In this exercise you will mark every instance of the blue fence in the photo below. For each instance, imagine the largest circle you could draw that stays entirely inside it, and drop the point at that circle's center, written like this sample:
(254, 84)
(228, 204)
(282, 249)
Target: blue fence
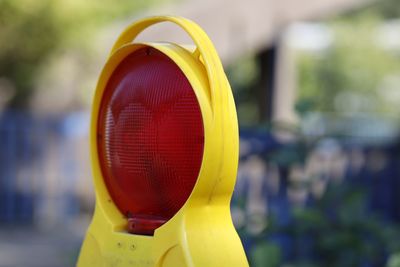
(39, 165)
(45, 178)
(319, 201)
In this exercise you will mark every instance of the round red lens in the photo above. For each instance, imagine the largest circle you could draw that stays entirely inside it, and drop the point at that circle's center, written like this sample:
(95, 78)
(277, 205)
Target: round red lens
(150, 137)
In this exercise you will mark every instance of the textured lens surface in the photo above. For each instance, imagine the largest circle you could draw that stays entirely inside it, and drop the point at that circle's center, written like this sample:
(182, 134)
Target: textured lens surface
(150, 136)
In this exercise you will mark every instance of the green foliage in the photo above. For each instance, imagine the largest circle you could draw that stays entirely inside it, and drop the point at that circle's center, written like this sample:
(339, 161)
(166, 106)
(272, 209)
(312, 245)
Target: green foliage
(265, 255)
(28, 30)
(386, 9)
(243, 78)
(33, 30)
(394, 261)
(336, 231)
(349, 77)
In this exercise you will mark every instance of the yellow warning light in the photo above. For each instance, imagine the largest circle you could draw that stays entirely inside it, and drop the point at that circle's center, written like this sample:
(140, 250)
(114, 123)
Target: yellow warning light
(164, 149)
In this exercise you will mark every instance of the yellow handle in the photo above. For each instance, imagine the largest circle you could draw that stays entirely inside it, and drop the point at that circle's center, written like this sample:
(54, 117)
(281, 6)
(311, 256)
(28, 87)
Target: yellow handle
(204, 45)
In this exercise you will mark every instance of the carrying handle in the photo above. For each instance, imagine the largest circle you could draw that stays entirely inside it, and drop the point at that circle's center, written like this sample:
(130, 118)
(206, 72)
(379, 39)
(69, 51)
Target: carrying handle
(204, 46)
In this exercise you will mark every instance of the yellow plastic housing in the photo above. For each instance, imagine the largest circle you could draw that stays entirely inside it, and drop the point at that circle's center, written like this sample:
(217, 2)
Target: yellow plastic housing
(201, 233)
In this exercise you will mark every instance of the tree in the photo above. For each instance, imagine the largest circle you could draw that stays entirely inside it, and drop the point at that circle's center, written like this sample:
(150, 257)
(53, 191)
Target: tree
(31, 31)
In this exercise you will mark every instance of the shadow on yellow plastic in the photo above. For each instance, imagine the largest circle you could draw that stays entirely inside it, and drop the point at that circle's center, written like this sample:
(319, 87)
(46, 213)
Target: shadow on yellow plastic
(201, 233)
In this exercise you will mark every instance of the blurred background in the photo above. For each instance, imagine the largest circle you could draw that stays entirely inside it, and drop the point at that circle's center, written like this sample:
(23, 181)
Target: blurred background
(317, 90)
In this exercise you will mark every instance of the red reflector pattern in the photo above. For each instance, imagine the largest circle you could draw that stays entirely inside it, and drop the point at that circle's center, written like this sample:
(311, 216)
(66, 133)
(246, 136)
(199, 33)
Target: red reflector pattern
(150, 139)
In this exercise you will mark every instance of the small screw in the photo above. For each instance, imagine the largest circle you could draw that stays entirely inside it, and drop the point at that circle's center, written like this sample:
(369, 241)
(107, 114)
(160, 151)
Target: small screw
(132, 247)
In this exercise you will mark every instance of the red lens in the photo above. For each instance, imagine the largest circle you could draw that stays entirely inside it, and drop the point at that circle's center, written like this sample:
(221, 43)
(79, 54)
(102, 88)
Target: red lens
(150, 137)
